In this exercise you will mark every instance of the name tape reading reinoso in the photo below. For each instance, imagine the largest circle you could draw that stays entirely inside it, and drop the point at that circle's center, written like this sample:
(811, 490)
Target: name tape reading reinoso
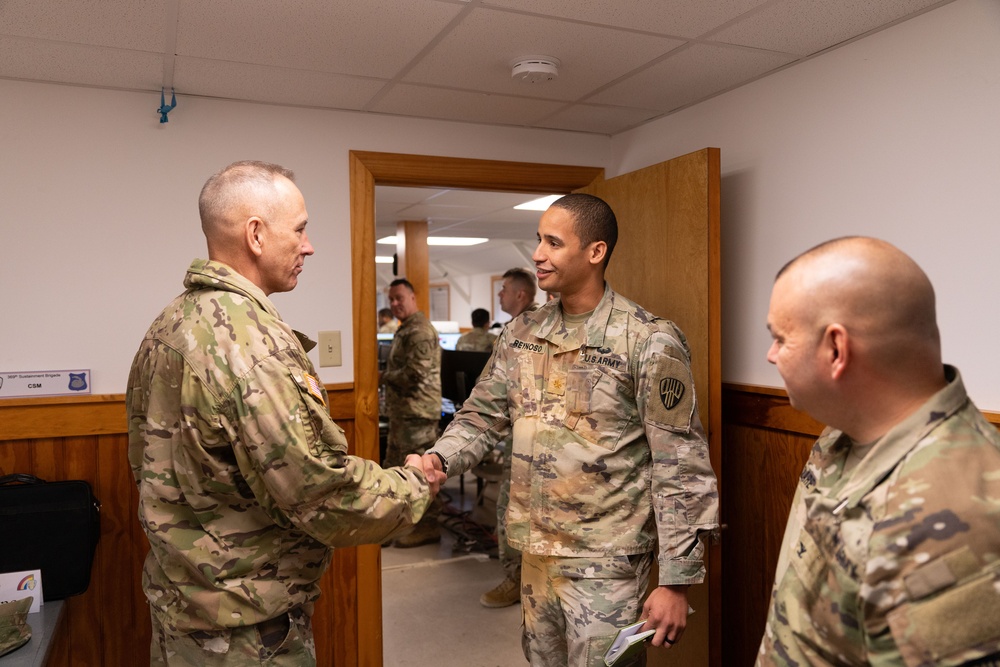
(44, 383)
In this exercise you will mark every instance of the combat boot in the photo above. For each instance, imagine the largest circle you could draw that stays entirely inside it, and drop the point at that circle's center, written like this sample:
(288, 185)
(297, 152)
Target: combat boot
(506, 593)
(421, 535)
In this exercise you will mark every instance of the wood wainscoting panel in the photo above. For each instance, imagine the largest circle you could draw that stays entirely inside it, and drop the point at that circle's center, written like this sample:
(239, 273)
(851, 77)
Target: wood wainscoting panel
(765, 444)
(86, 438)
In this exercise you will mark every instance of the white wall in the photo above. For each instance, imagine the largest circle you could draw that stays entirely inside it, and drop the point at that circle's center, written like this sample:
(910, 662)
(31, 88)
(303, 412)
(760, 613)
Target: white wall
(99, 219)
(896, 136)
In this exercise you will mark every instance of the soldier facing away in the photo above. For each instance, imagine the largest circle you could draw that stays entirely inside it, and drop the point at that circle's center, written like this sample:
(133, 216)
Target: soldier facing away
(891, 551)
(609, 464)
(244, 480)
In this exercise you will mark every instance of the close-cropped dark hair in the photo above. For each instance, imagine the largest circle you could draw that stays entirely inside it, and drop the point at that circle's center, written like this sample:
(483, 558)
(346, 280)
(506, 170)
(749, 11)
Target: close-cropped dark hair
(402, 281)
(480, 317)
(594, 220)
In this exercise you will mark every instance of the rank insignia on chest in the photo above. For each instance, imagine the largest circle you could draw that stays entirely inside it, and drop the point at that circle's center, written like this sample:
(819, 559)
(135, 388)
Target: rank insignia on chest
(312, 383)
(671, 392)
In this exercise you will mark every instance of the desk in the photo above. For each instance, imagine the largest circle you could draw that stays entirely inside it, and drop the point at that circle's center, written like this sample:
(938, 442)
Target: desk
(43, 630)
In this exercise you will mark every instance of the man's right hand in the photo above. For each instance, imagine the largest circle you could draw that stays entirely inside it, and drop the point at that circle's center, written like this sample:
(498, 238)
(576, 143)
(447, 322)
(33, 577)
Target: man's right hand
(435, 476)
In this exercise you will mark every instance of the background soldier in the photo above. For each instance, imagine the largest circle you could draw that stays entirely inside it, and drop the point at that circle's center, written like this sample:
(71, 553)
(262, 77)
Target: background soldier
(479, 339)
(606, 467)
(412, 380)
(244, 480)
(517, 295)
(891, 549)
(386, 322)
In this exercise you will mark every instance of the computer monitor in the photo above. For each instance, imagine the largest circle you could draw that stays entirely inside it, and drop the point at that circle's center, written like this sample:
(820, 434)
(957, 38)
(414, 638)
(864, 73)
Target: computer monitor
(448, 340)
(383, 353)
(459, 372)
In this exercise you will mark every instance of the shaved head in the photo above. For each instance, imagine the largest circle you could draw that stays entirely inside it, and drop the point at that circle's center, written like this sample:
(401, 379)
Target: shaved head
(855, 335)
(871, 287)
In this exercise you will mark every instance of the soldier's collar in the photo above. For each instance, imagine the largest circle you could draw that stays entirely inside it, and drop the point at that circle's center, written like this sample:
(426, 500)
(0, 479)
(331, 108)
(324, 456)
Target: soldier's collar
(891, 448)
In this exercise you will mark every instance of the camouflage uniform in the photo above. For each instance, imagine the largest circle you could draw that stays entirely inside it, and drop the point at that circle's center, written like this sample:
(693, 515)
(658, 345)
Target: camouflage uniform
(609, 463)
(244, 480)
(898, 561)
(477, 340)
(412, 380)
(510, 558)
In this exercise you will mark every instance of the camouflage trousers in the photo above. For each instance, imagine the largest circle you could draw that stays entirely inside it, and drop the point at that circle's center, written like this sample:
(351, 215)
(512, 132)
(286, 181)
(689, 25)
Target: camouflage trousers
(573, 607)
(510, 558)
(413, 436)
(285, 641)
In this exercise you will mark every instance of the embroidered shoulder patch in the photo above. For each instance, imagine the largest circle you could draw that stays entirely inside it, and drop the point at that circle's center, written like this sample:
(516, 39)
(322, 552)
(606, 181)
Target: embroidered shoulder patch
(315, 388)
(671, 394)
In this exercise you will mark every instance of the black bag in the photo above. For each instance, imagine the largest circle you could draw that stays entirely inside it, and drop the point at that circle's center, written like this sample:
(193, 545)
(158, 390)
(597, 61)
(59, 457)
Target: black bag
(52, 527)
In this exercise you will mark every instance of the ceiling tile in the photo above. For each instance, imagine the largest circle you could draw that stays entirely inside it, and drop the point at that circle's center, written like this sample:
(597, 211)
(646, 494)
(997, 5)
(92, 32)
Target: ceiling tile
(392, 193)
(371, 38)
(483, 201)
(124, 24)
(680, 18)
(79, 64)
(409, 100)
(240, 81)
(598, 119)
(804, 27)
(477, 54)
(691, 75)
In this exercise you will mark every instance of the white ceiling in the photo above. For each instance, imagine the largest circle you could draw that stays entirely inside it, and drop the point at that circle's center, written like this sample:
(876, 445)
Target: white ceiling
(624, 62)
(511, 232)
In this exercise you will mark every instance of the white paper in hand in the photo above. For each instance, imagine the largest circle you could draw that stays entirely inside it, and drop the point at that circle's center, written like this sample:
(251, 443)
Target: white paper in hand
(627, 644)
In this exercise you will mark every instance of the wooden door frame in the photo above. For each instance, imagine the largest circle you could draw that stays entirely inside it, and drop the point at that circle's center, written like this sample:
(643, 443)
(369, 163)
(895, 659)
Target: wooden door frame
(358, 599)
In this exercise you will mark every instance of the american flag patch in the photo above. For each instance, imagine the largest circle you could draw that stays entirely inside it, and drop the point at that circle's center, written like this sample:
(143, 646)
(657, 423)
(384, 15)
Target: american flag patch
(315, 388)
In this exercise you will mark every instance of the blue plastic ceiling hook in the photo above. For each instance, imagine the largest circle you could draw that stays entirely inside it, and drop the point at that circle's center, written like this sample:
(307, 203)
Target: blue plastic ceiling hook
(164, 108)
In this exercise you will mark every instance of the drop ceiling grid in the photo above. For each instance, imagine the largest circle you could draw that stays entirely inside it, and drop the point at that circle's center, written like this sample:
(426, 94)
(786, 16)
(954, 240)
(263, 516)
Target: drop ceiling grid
(477, 54)
(436, 58)
(119, 24)
(374, 38)
(682, 18)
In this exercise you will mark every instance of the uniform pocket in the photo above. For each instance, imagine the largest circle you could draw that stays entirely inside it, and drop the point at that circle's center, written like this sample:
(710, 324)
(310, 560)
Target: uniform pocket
(951, 628)
(597, 406)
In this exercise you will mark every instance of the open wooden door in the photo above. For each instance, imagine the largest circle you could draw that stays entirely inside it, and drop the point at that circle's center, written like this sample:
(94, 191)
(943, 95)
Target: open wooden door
(667, 260)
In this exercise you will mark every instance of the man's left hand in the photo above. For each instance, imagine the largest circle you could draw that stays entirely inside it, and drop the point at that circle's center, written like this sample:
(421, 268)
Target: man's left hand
(666, 610)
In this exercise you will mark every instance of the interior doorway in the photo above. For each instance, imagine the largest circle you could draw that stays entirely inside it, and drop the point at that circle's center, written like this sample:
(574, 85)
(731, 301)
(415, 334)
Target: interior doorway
(358, 598)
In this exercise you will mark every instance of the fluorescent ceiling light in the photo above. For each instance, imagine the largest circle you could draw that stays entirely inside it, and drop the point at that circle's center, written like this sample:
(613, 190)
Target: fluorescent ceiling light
(382, 259)
(441, 240)
(538, 204)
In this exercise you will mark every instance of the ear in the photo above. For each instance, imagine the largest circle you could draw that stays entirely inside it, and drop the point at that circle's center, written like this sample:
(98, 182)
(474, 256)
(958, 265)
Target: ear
(255, 235)
(836, 349)
(598, 249)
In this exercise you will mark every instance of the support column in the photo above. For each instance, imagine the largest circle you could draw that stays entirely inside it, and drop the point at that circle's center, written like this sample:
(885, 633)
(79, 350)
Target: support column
(413, 260)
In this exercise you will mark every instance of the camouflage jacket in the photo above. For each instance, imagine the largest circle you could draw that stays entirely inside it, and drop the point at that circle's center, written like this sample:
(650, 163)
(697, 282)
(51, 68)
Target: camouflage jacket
(244, 480)
(897, 562)
(477, 340)
(609, 456)
(412, 377)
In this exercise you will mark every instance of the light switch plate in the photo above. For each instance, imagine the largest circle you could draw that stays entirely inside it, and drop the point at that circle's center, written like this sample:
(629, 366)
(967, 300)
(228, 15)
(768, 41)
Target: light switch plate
(329, 349)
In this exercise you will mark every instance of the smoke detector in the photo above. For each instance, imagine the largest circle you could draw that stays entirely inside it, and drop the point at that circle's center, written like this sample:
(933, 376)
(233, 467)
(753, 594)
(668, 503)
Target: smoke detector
(534, 69)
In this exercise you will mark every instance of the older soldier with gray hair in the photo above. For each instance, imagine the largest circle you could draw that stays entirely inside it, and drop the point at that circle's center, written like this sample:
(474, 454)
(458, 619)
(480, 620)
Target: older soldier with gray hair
(244, 480)
(891, 552)
(610, 464)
